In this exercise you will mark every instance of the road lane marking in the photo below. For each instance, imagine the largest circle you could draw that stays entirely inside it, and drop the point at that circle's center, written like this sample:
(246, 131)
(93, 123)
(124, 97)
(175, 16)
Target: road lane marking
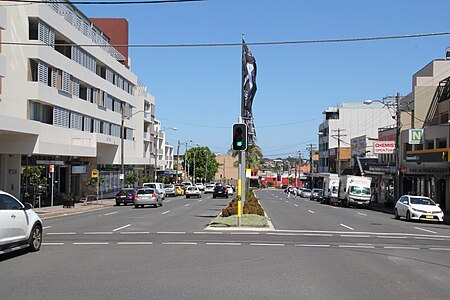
(46, 227)
(245, 233)
(311, 211)
(99, 232)
(224, 244)
(117, 229)
(208, 232)
(111, 213)
(401, 247)
(365, 215)
(187, 204)
(426, 230)
(440, 249)
(179, 243)
(356, 246)
(52, 244)
(61, 233)
(348, 227)
(92, 243)
(296, 205)
(391, 237)
(171, 232)
(280, 233)
(262, 244)
(426, 238)
(166, 212)
(317, 234)
(135, 243)
(354, 236)
(135, 232)
(306, 245)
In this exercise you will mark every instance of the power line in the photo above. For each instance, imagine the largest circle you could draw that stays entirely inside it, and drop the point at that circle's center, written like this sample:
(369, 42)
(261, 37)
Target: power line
(104, 2)
(391, 37)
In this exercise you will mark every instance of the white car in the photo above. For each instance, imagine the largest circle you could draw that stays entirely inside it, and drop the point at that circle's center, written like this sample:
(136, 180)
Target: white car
(200, 186)
(209, 188)
(193, 191)
(20, 226)
(418, 208)
(230, 190)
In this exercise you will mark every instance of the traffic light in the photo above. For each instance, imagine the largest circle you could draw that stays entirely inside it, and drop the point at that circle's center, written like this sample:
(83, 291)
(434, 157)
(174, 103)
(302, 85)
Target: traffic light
(239, 136)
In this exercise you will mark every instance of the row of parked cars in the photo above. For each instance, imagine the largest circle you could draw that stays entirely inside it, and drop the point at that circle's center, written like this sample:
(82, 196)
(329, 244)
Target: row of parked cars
(314, 194)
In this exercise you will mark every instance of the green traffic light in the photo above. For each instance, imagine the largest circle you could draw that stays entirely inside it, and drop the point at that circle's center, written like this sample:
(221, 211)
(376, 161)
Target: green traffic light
(239, 144)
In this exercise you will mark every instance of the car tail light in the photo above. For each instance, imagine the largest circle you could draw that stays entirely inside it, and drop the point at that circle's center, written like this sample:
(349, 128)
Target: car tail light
(154, 196)
(135, 196)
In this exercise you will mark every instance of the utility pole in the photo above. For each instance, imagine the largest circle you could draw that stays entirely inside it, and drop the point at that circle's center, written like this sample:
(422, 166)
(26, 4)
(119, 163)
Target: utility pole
(338, 136)
(178, 159)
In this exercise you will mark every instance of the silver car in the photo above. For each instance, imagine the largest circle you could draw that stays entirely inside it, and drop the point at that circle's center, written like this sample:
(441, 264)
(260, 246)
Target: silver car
(305, 193)
(146, 196)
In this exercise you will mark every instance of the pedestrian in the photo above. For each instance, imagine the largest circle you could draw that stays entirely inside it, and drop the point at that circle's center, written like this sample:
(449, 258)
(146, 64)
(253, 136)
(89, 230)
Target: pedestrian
(289, 192)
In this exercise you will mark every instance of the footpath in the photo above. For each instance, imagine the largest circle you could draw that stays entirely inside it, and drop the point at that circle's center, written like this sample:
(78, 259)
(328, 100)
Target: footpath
(59, 210)
(390, 210)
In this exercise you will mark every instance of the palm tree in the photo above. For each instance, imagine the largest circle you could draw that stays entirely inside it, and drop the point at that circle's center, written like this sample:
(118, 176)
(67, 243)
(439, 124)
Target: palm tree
(253, 158)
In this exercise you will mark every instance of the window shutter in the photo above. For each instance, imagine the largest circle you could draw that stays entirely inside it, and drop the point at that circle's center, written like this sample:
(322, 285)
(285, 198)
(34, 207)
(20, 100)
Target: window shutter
(75, 87)
(42, 72)
(87, 123)
(65, 82)
(60, 117)
(76, 121)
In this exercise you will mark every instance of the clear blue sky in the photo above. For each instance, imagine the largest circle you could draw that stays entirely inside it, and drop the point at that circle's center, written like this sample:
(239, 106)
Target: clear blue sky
(198, 90)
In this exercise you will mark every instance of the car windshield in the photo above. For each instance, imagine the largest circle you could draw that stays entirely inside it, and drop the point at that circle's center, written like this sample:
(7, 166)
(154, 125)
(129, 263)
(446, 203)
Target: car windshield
(145, 191)
(421, 201)
(168, 186)
(358, 190)
(307, 190)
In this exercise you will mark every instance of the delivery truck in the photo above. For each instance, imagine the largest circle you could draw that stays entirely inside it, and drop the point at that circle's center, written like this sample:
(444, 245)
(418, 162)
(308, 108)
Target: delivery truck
(330, 187)
(354, 190)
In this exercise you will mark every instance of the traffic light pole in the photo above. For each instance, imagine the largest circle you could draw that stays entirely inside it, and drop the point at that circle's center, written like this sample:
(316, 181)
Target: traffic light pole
(241, 182)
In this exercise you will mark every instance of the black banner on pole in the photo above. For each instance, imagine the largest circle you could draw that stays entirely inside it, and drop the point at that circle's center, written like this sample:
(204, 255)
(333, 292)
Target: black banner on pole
(248, 90)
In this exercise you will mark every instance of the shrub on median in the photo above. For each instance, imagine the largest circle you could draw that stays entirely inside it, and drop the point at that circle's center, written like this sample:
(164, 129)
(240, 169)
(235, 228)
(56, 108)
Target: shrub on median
(251, 206)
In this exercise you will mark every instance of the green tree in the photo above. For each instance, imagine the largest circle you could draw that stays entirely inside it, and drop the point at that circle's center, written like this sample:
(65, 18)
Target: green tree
(253, 157)
(131, 179)
(205, 163)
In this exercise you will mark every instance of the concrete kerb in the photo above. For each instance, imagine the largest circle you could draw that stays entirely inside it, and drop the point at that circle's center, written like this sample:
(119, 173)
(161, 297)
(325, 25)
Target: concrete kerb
(59, 211)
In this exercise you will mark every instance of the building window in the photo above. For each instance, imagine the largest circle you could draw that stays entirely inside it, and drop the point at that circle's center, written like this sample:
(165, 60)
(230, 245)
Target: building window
(40, 112)
(429, 144)
(441, 143)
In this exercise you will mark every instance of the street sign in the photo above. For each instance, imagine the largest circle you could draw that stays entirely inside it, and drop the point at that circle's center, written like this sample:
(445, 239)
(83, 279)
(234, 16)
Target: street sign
(51, 168)
(415, 136)
(94, 173)
(384, 147)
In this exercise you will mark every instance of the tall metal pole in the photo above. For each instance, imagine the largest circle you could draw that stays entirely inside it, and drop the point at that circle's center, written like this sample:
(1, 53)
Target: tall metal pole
(397, 147)
(122, 134)
(178, 159)
(193, 172)
(156, 155)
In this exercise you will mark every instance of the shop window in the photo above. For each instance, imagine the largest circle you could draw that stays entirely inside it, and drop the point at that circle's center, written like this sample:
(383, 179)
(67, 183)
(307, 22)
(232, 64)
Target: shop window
(441, 143)
(429, 144)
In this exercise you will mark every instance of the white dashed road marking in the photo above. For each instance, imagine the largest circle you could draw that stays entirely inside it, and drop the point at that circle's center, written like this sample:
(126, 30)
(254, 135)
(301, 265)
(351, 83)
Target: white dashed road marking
(259, 244)
(166, 212)
(117, 229)
(401, 247)
(365, 215)
(354, 236)
(306, 245)
(348, 227)
(135, 232)
(98, 232)
(311, 211)
(46, 227)
(98, 243)
(111, 213)
(135, 243)
(52, 244)
(171, 232)
(61, 233)
(426, 238)
(224, 244)
(426, 230)
(179, 243)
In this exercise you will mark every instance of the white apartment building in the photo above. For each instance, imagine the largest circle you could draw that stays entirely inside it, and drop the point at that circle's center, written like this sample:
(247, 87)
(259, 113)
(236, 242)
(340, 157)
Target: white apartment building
(352, 119)
(65, 99)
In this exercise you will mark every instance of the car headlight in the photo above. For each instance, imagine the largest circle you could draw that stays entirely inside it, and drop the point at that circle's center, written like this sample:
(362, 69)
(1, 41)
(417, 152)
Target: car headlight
(418, 210)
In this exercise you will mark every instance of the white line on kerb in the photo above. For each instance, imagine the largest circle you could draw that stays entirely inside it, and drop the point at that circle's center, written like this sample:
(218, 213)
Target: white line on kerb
(362, 214)
(348, 227)
(111, 213)
(117, 229)
(426, 230)
(166, 212)
(311, 211)
(440, 249)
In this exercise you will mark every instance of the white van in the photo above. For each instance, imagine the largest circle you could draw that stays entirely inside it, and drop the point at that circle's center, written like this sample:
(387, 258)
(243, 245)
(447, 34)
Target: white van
(156, 185)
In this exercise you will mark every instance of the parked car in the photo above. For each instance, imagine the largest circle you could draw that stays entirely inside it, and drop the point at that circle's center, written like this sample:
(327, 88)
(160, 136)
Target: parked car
(125, 196)
(170, 190)
(193, 191)
(20, 226)
(298, 191)
(209, 188)
(316, 194)
(418, 208)
(305, 193)
(148, 196)
(220, 191)
(230, 189)
(200, 186)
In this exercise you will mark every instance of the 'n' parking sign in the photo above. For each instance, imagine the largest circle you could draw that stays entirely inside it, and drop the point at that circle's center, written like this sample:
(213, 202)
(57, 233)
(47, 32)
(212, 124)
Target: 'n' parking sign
(415, 136)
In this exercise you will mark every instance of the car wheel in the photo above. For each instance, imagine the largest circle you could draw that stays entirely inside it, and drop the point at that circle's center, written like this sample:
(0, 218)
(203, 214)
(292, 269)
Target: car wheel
(136, 206)
(160, 203)
(397, 217)
(408, 216)
(35, 240)
(214, 196)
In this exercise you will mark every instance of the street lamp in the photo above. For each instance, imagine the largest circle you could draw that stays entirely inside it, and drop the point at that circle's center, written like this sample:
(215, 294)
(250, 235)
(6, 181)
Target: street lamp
(395, 104)
(156, 148)
(178, 156)
(122, 136)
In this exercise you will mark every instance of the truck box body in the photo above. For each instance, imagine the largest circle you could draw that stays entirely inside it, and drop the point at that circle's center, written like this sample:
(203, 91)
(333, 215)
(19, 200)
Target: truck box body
(330, 186)
(354, 190)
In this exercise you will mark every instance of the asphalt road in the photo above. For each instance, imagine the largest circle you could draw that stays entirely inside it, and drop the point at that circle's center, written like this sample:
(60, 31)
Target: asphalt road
(315, 252)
